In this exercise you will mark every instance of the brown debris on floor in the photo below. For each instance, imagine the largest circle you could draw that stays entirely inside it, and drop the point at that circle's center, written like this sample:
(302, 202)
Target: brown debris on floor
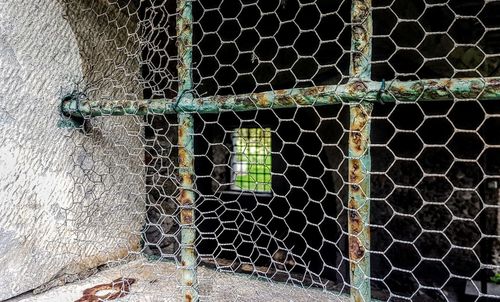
(119, 287)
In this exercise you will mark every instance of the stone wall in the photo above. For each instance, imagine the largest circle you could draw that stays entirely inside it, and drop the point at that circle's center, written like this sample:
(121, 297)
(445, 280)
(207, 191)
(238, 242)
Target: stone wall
(70, 201)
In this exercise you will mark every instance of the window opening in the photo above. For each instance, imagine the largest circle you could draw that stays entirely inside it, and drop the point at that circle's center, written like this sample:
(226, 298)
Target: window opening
(251, 162)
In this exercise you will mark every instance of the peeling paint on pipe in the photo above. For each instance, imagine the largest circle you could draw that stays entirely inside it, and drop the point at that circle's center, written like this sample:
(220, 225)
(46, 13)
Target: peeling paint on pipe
(354, 92)
(184, 26)
(359, 151)
(361, 50)
(187, 208)
(359, 201)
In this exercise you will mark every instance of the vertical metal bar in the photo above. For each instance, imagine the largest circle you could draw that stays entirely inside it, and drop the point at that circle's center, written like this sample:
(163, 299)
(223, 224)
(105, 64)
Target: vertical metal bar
(359, 156)
(187, 204)
(359, 202)
(361, 50)
(184, 29)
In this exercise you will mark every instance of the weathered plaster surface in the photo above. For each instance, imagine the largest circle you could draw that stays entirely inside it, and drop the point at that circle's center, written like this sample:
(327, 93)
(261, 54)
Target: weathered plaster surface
(68, 201)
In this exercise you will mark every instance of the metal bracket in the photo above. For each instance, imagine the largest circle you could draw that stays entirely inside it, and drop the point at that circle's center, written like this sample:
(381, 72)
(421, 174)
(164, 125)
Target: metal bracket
(70, 121)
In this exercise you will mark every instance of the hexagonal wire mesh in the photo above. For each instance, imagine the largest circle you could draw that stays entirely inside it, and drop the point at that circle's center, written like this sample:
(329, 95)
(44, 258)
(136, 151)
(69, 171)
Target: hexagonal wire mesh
(320, 148)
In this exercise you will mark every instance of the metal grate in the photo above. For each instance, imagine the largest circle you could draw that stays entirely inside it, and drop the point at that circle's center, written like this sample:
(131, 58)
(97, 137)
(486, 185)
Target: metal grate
(372, 125)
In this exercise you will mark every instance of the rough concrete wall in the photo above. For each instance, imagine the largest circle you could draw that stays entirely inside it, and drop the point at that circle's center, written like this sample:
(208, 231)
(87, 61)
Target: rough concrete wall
(68, 201)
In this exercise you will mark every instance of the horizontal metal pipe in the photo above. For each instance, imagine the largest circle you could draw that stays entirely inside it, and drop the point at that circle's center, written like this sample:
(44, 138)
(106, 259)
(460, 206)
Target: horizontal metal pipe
(356, 91)
(88, 107)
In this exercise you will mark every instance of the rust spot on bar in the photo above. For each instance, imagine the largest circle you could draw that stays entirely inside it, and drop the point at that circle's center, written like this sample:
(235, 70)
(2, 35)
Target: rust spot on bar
(353, 204)
(185, 198)
(361, 118)
(285, 100)
(187, 216)
(357, 141)
(186, 27)
(355, 221)
(402, 93)
(357, 57)
(360, 10)
(221, 100)
(418, 86)
(314, 91)
(181, 131)
(360, 37)
(355, 188)
(262, 100)
(356, 249)
(301, 100)
(183, 155)
(355, 172)
(356, 87)
(355, 164)
(187, 179)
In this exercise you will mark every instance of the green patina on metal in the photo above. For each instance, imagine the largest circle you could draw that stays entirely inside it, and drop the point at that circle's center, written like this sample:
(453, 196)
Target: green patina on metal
(361, 50)
(359, 151)
(359, 202)
(184, 28)
(354, 92)
(187, 207)
(104, 107)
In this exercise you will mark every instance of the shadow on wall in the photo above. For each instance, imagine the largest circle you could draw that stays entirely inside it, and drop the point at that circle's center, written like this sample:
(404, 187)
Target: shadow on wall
(101, 40)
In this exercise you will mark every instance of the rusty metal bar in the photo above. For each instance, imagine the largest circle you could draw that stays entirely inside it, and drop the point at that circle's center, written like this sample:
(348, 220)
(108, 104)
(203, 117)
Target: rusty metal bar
(361, 50)
(187, 207)
(184, 27)
(359, 154)
(368, 91)
(359, 201)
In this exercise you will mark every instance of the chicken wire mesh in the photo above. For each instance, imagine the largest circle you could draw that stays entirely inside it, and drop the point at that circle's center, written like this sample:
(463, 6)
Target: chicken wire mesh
(297, 150)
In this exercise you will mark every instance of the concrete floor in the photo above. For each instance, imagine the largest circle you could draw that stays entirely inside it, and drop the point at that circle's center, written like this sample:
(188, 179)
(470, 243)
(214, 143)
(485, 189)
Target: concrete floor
(158, 281)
